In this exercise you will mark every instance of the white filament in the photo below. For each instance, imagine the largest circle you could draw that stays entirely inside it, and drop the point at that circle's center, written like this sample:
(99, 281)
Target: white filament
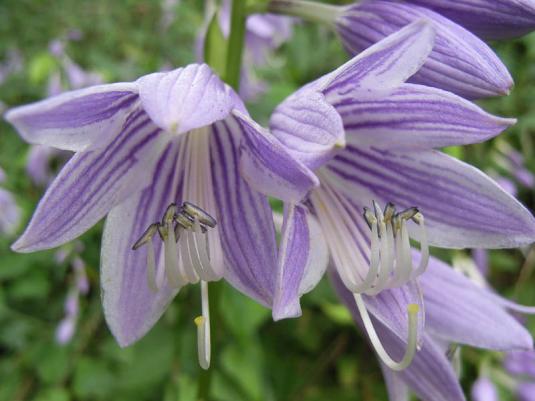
(410, 351)
(171, 258)
(203, 329)
(151, 268)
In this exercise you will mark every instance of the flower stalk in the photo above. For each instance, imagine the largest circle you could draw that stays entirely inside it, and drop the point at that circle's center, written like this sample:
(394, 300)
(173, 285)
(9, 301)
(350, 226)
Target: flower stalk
(307, 10)
(235, 43)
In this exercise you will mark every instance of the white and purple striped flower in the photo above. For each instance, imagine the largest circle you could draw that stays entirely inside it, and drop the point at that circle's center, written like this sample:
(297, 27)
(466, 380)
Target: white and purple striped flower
(457, 312)
(460, 62)
(10, 213)
(143, 149)
(369, 138)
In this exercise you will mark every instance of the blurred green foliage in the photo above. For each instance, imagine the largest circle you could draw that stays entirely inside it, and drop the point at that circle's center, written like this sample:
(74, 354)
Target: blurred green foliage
(317, 357)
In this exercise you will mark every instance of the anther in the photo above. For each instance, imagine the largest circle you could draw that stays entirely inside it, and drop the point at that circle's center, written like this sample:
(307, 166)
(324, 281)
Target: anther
(169, 214)
(147, 236)
(409, 213)
(196, 211)
(390, 211)
(369, 217)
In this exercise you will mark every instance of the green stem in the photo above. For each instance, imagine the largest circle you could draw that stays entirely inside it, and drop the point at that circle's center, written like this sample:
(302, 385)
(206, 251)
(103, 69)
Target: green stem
(307, 10)
(236, 43)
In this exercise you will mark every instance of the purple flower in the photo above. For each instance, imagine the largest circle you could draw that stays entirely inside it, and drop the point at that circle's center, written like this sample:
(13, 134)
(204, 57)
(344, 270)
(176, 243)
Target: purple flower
(484, 390)
(526, 392)
(460, 62)
(159, 157)
(367, 140)
(10, 213)
(457, 311)
(521, 363)
(497, 19)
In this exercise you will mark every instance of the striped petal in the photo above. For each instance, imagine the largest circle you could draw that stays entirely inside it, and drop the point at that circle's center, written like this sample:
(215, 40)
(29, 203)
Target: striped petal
(459, 63)
(244, 219)
(430, 374)
(92, 183)
(386, 64)
(303, 258)
(462, 206)
(268, 167)
(77, 120)
(455, 305)
(497, 19)
(416, 116)
(309, 127)
(131, 308)
(396, 387)
(186, 98)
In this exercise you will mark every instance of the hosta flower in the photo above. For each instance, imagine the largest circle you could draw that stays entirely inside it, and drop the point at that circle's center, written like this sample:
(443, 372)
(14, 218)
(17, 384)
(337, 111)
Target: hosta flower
(159, 157)
(457, 312)
(10, 213)
(484, 390)
(368, 138)
(498, 19)
(460, 62)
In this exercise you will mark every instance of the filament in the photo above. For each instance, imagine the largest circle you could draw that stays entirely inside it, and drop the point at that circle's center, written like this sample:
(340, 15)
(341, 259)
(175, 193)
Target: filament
(410, 351)
(171, 258)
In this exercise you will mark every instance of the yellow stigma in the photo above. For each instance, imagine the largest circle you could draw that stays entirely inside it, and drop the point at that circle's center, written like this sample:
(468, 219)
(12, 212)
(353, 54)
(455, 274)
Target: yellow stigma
(413, 309)
(199, 320)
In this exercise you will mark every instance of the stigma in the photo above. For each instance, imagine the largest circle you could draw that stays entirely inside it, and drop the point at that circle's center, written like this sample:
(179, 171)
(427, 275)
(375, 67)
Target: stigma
(183, 232)
(391, 262)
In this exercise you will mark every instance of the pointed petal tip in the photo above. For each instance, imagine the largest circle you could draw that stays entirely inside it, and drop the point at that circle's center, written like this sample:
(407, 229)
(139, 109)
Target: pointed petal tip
(281, 312)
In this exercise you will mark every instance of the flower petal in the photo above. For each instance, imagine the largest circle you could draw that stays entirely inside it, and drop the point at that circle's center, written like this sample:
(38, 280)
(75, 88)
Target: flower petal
(303, 258)
(386, 64)
(498, 19)
(244, 218)
(92, 183)
(131, 308)
(430, 374)
(462, 206)
(186, 98)
(309, 127)
(76, 120)
(455, 305)
(460, 62)
(416, 116)
(397, 388)
(267, 166)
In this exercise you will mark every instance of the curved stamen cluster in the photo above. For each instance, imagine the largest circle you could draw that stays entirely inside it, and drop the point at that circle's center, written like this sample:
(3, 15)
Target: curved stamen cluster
(391, 259)
(391, 266)
(184, 227)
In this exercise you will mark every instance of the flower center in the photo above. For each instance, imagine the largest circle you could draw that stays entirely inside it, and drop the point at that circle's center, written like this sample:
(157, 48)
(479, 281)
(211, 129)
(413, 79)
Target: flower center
(391, 259)
(185, 228)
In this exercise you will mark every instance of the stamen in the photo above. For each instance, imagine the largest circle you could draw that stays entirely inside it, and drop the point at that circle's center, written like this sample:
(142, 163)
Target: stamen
(396, 267)
(171, 258)
(151, 269)
(196, 211)
(203, 329)
(146, 236)
(410, 352)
